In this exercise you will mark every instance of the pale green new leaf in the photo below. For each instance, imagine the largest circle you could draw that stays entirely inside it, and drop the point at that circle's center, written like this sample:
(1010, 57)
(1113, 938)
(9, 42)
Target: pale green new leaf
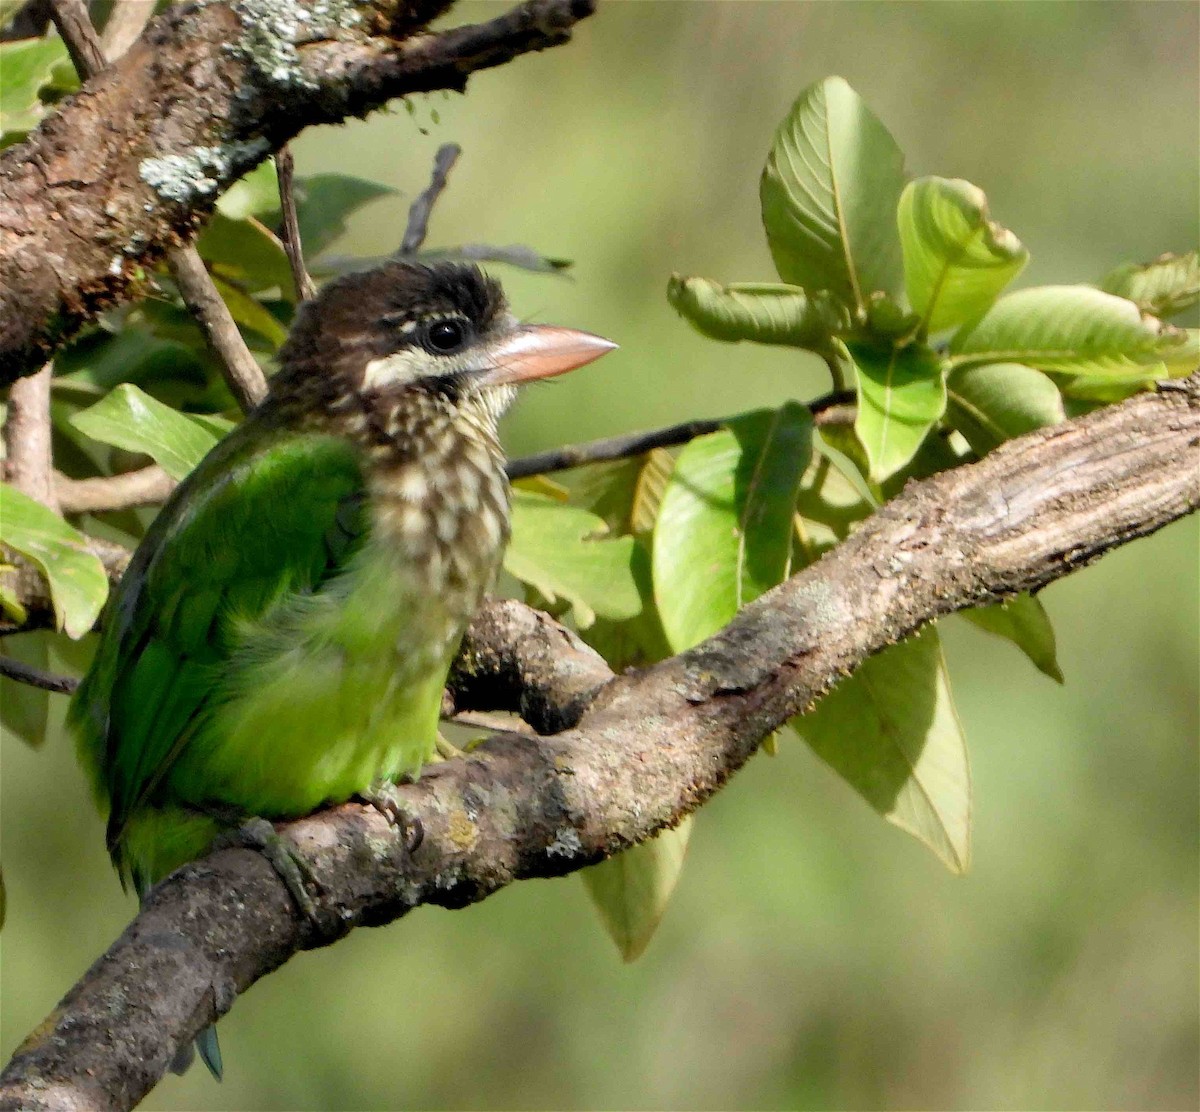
(1167, 286)
(627, 493)
(251, 313)
(247, 253)
(994, 402)
(631, 890)
(131, 419)
(901, 395)
(829, 193)
(956, 260)
(1073, 330)
(27, 66)
(254, 194)
(724, 530)
(1023, 621)
(762, 312)
(78, 584)
(892, 733)
(561, 551)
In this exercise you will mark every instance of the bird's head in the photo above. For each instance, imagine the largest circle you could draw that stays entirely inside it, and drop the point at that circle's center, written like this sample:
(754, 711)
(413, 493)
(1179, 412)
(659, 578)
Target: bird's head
(408, 329)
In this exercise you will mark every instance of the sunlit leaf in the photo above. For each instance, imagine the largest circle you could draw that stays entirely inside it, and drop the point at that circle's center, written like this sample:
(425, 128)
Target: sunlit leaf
(631, 890)
(1023, 621)
(253, 194)
(892, 733)
(28, 66)
(956, 260)
(562, 552)
(78, 584)
(994, 402)
(724, 530)
(764, 313)
(1074, 330)
(247, 253)
(1163, 288)
(628, 493)
(829, 194)
(901, 395)
(131, 419)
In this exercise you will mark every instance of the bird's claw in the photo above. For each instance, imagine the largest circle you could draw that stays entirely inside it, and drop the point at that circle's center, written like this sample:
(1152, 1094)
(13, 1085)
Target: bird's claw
(384, 798)
(258, 834)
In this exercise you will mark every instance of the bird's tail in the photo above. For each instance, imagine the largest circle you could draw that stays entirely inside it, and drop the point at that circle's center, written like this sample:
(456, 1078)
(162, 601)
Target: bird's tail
(209, 1050)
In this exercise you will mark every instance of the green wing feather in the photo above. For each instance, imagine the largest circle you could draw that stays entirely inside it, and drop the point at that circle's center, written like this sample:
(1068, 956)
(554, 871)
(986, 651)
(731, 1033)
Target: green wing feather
(267, 514)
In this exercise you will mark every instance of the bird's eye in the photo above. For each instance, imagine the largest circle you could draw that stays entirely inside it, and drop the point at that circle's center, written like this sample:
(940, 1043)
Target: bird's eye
(445, 336)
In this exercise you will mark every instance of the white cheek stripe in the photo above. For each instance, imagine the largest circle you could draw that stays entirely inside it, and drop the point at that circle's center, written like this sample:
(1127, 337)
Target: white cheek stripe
(397, 369)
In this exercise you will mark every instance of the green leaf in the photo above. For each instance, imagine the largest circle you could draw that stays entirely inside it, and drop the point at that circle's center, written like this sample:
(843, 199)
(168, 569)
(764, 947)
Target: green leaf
(251, 313)
(1163, 288)
(324, 202)
(131, 419)
(253, 194)
(631, 889)
(28, 66)
(98, 363)
(247, 253)
(764, 313)
(628, 493)
(829, 194)
(562, 553)
(956, 260)
(892, 733)
(901, 395)
(1023, 621)
(994, 402)
(1073, 330)
(724, 531)
(78, 584)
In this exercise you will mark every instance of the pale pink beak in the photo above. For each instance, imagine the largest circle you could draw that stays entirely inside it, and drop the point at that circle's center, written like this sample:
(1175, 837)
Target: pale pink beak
(541, 351)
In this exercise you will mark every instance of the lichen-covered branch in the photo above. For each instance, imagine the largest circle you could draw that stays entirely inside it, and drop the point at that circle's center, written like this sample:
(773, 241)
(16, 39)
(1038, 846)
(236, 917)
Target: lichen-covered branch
(641, 750)
(132, 163)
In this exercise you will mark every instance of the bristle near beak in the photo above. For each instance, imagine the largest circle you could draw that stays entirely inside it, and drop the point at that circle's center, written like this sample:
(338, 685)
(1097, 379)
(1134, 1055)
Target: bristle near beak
(540, 351)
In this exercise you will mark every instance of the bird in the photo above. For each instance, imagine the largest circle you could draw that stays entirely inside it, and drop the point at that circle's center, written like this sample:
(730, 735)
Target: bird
(282, 636)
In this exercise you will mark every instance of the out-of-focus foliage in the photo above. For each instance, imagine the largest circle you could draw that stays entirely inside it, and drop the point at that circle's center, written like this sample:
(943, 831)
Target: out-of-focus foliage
(806, 960)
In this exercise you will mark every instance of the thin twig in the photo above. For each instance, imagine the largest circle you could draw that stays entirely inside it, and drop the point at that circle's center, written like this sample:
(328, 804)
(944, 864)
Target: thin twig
(124, 24)
(27, 437)
(245, 377)
(422, 208)
(285, 170)
(21, 672)
(831, 409)
(145, 487)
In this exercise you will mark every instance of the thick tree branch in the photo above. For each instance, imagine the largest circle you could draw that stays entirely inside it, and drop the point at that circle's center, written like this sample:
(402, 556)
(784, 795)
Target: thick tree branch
(128, 166)
(647, 749)
(27, 433)
(145, 487)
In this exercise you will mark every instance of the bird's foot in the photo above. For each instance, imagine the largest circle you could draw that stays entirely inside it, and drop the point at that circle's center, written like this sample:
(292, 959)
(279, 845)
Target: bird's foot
(293, 870)
(446, 750)
(382, 795)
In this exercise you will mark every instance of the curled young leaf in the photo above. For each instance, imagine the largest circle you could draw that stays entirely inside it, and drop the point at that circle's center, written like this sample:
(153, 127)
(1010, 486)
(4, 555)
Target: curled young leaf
(956, 259)
(829, 193)
(1074, 330)
(762, 312)
(994, 402)
(1168, 285)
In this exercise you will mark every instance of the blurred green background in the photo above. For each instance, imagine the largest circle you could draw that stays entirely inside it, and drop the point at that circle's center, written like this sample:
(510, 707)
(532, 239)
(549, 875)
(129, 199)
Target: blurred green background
(813, 957)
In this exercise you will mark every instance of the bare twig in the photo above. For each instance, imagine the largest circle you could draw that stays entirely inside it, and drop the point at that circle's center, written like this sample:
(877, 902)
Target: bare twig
(244, 376)
(649, 747)
(285, 169)
(21, 672)
(27, 435)
(242, 373)
(422, 208)
(145, 487)
(832, 409)
(126, 21)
